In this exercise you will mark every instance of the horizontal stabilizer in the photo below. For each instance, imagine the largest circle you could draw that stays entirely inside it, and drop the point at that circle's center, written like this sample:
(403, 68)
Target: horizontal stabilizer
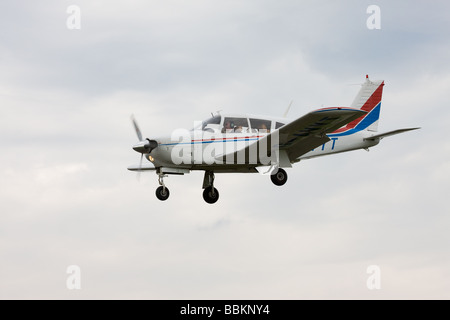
(387, 134)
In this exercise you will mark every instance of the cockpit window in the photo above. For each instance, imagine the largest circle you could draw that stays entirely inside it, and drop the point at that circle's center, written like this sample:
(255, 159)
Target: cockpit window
(259, 125)
(235, 125)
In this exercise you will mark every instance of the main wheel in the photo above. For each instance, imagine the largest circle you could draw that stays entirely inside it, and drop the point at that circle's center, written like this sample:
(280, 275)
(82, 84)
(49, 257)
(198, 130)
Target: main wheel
(210, 195)
(279, 178)
(162, 194)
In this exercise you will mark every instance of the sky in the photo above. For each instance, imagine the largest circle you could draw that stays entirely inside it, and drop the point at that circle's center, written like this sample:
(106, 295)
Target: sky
(67, 199)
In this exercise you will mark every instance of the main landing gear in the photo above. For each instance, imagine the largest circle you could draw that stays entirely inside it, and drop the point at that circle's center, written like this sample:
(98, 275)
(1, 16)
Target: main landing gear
(279, 178)
(210, 194)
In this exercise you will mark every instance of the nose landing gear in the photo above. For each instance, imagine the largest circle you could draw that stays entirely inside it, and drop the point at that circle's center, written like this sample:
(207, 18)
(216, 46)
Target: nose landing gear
(162, 192)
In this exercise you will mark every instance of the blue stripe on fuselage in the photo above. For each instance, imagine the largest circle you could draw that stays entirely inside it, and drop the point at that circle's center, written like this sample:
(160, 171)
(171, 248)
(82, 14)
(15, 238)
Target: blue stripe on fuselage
(209, 141)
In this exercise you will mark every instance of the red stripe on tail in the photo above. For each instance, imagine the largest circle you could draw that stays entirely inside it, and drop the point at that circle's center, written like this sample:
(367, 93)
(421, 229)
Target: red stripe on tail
(371, 103)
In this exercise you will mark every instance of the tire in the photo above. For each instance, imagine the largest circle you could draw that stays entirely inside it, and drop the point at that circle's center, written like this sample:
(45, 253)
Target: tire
(161, 194)
(210, 195)
(279, 178)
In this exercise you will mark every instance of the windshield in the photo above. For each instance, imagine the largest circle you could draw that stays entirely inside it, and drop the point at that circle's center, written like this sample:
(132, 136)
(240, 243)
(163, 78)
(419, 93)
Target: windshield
(213, 120)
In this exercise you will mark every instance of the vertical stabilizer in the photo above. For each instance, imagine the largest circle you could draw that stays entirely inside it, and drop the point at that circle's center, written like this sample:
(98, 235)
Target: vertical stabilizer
(368, 99)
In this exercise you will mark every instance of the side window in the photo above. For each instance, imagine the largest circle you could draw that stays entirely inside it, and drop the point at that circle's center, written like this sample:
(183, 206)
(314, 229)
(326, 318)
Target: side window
(235, 125)
(278, 125)
(259, 125)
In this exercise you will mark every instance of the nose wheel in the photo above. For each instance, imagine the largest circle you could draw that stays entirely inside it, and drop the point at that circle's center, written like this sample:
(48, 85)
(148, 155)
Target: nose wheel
(162, 193)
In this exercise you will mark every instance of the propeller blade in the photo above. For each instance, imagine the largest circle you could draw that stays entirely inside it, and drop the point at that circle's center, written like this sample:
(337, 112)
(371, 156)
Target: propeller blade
(136, 127)
(138, 175)
(143, 146)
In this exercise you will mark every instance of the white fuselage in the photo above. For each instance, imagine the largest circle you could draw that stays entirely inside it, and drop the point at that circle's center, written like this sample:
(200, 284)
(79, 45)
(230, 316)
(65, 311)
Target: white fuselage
(345, 143)
(206, 150)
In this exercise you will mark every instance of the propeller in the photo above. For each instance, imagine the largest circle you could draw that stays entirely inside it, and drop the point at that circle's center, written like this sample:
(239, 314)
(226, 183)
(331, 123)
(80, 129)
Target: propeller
(138, 175)
(136, 127)
(144, 145)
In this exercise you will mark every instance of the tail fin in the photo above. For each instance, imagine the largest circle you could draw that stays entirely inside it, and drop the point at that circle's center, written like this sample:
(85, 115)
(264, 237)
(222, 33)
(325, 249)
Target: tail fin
(368, 99)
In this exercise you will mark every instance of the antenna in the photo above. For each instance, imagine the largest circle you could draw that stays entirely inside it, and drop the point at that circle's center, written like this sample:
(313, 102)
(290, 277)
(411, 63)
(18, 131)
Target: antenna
(288, 108)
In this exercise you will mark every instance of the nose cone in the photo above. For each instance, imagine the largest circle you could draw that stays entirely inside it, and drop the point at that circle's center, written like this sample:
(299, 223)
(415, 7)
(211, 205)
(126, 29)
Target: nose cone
(145, 146)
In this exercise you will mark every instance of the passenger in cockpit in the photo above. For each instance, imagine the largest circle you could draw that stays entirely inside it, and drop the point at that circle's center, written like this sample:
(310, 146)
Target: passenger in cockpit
(263, 128)
(227, 127)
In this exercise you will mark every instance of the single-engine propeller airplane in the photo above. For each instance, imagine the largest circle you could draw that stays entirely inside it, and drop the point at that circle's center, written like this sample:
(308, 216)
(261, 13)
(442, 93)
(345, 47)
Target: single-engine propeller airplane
(247, 143)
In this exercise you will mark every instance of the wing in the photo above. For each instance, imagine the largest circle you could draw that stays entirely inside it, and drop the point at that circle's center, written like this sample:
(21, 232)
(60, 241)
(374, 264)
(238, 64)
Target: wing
(301, 135)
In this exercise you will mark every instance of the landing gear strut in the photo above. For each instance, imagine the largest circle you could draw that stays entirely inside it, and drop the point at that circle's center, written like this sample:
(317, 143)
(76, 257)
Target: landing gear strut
(162, 192)
(210, 194)
(279, 178)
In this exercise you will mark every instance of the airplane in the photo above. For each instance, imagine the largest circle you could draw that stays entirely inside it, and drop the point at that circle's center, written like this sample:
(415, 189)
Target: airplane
(238, 143)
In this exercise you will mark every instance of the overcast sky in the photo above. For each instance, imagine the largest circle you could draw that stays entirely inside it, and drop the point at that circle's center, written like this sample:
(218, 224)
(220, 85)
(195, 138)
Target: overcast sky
(66, 198)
